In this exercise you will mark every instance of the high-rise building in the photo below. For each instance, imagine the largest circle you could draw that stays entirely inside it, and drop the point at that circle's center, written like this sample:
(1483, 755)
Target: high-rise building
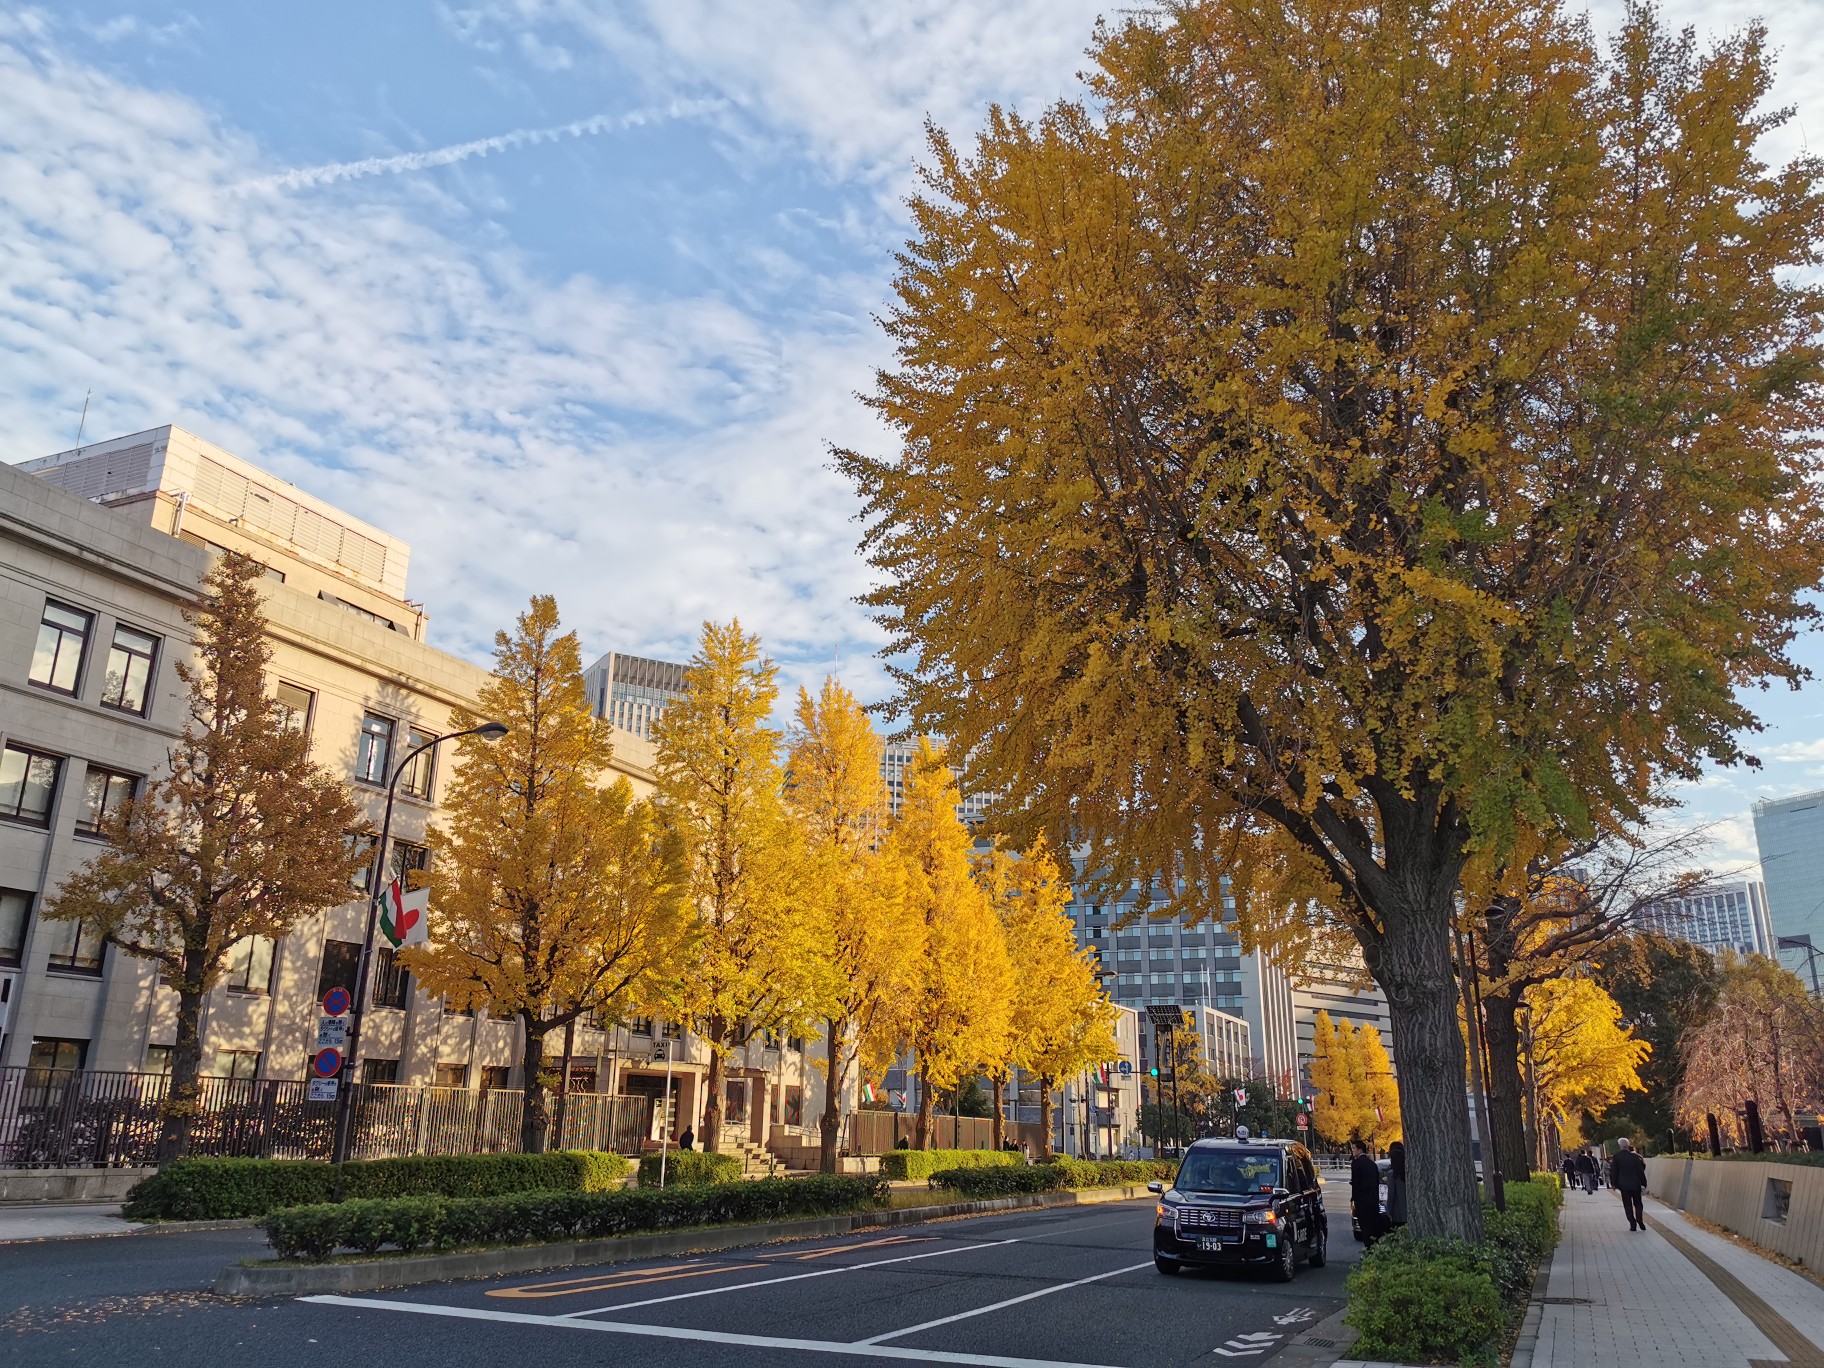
(632, 692)
(1789, 833)
(1731, 916)
(1345, 992)
(896, 762)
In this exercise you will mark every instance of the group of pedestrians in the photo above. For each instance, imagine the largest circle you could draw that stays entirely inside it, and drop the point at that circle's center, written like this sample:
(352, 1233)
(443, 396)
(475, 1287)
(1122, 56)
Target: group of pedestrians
(1627, 1174)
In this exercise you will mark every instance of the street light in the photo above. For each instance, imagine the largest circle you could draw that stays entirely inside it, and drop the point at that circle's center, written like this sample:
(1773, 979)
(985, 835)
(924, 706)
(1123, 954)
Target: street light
(487, 731)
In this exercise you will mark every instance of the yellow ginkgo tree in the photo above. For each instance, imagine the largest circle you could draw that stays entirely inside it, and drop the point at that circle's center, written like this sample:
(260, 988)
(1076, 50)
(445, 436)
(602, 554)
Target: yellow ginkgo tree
(869, 939)
(1582, 1058)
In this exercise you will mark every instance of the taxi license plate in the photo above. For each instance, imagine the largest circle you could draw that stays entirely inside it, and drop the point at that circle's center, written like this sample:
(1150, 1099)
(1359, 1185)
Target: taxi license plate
(1212, 1242)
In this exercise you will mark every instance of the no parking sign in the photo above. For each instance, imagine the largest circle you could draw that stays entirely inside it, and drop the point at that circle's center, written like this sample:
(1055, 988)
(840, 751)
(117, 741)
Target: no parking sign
(326, 1063)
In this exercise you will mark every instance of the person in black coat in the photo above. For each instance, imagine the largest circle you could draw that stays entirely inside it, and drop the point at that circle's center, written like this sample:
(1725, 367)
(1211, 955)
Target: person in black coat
(1628, 1176)
(1396, 1185)
(1365, 1192)
(688, 1140)
(1586, 1168)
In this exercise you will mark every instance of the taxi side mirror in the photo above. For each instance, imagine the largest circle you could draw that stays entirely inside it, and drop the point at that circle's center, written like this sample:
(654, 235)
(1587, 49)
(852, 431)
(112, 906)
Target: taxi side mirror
(1155, 1187)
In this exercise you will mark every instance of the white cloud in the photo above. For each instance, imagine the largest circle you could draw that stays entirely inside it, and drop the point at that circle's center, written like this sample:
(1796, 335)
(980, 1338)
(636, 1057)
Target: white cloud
(1798, 752)
(654, 460)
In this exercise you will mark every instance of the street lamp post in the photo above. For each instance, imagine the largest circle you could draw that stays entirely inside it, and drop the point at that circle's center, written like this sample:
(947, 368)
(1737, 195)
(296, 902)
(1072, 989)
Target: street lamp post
(488, 731)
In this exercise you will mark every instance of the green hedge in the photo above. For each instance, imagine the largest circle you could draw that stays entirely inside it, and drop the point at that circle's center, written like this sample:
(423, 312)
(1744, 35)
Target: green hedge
(690, 1169)
(409, 1224)
(1003, 1181)
(231, 1189)
(923, 1163)
(1424, 1300)
(1117, 1172)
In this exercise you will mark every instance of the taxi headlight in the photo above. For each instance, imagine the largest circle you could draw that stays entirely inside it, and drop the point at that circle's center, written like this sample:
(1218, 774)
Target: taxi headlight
(1162, 1214)
(1261, 1218)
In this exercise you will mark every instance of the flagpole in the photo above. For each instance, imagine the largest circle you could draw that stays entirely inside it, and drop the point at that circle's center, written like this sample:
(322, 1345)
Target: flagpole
(339, 1147)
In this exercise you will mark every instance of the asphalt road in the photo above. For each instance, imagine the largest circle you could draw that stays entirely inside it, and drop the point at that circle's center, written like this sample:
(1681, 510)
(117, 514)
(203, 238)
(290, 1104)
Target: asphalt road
(1069, 1286)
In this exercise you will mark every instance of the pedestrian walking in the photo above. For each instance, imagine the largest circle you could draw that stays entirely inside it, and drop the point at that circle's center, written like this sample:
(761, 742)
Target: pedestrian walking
(1364, 1193)
(1569, 1167)
(1396, 1185)
(1586, 1169)
(1628, 1176)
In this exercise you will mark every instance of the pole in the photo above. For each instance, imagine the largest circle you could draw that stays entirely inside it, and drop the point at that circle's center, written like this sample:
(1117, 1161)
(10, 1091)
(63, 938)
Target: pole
(493, 731)
(1171, 1040)
(664, 1115)
(563, 1080)
(1491, 1188)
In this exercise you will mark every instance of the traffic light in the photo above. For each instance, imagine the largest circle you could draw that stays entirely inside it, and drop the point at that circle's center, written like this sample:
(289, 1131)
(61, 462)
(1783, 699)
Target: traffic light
(1154, 1071)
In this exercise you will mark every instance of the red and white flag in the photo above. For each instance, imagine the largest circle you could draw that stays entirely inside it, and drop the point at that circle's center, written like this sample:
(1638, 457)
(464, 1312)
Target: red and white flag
(404, 917)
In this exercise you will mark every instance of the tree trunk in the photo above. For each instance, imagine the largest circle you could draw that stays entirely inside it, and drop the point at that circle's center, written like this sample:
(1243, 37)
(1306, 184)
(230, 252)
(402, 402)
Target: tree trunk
(1500, 1014)
(1045, 1150)
(1414, 969)
(997, 1128)
(535, 1115)
(179, 1109)
(921, 1130)
(830, 1123)
(712, 1101)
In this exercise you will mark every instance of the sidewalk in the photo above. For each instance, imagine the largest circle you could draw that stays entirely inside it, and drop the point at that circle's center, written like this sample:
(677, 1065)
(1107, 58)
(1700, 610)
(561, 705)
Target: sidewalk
(1672, 1296)
(59, 1220)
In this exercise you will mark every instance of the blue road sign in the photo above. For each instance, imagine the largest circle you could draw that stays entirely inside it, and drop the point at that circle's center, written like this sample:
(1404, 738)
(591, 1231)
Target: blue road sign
(326, 1063)
(337, 1001)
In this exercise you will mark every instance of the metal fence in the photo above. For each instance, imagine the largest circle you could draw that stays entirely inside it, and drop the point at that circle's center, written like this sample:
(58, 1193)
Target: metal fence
(63, 1118)
(876, 1132)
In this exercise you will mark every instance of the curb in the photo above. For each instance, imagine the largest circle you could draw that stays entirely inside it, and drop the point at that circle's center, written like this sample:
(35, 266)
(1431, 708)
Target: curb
(1528, 1338)
(1321, 1345)
(291, 1280)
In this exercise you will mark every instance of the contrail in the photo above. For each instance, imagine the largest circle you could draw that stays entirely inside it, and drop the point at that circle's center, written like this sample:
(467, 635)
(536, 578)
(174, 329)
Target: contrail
(306, 177)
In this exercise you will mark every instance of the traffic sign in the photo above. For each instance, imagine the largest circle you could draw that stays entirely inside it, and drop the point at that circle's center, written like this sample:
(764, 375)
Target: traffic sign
(320, 1090)
(337, 1001)
(1303, 1121)
(332, 1033)
(326, 1063)
(1127, 1068)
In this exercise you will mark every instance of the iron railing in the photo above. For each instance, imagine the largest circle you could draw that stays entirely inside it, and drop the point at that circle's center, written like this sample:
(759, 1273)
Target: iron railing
(65, 1118)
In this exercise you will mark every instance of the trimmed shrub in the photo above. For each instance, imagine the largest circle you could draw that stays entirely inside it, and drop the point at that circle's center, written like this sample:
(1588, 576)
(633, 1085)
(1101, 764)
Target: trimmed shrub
(904, 1164)
(232, 1189)
(315, 1233)
(1425, 1301)
(228, 1189)
(1086, 1173)
(690, 1169)
(1003, 1180)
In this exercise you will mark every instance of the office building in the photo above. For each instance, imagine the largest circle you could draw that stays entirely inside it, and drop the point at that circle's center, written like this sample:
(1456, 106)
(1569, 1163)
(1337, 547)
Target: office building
(631, 692)
(1789, 833)
(1348, 994)
(99, 550)
(896, 762)
(1731, 916)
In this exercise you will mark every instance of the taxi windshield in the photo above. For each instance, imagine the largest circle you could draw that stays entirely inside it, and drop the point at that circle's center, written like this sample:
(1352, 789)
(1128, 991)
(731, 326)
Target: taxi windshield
(1228, 1171)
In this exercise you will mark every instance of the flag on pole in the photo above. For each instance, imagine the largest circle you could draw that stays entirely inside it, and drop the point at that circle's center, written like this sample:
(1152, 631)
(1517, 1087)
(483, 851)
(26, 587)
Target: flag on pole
(404, 916)
(867, 1091)
(1241, 1097)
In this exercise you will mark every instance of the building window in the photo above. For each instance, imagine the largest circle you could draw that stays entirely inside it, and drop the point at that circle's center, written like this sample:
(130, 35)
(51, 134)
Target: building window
(128, 685)
(495, 1076)
(391, 982)
(242, 1066)
(103, 791)
(158, 1061)
(375, 747)
(379, 1071)
(15, 910)
(671, 1031)
(794, 1105)
(450, 1076)
(341, 965)
(250, 965)
(296, 704)
(28, 784)
(75, 948)
(415, 782)
(641, 1026)
(450, 1009)
(49, 1053)
(63, 635)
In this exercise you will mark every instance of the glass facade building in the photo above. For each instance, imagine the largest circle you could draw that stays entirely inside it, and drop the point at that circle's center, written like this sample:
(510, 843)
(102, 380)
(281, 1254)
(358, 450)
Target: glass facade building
(1723, 917)
(1789, 833)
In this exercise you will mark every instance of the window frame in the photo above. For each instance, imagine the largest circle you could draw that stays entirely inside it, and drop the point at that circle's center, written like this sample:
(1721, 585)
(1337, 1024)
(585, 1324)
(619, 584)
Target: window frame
(90, 819)
(31, 753)
(422, 764)
(364, 755)
(392, 982)
(74, 964)
(244, 986)
(149, 655)
(83, 638)
(289, 714)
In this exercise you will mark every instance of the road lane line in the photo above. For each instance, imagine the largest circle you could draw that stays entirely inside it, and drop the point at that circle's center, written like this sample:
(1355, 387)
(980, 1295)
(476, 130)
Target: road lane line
(794, 1277)
(615, 1282)
(1000, 1305)
(677, 1332)
(800, 1257)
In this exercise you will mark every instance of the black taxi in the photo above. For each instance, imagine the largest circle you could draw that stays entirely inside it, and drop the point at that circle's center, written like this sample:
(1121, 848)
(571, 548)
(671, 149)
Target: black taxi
(1242, 1202)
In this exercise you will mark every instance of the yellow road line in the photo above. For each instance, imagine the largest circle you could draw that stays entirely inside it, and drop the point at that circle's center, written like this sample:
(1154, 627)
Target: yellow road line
(609, 1282)
(846, 1248)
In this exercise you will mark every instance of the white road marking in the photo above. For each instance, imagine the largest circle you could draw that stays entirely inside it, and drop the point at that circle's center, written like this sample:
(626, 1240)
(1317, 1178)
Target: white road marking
(1011, 1301)
(1296, 1316)
(1245, 1346)
(673, 1332)
(794, 1277)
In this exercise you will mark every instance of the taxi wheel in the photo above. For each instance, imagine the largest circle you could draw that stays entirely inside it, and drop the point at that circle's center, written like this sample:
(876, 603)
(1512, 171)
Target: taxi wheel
(1287, 1265)
(1165, 1265)
(1320, 1249)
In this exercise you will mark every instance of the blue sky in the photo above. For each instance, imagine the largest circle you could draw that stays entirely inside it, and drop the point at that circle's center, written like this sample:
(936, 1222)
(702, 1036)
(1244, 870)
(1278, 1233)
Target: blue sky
(571, 294)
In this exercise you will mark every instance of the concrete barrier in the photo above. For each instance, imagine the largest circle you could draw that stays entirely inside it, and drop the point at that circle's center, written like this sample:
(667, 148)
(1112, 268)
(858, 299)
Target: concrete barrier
(1777, 1206)
(69, 1184)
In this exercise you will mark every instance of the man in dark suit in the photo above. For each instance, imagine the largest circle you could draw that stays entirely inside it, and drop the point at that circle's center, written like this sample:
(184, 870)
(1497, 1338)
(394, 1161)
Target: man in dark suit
(1628, 1176)
(1365, 1192)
